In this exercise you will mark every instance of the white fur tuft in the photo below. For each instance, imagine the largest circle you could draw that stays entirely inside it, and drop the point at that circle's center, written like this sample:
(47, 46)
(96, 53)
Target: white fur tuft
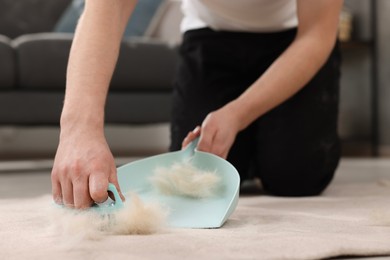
(134, 218)
(184, 179)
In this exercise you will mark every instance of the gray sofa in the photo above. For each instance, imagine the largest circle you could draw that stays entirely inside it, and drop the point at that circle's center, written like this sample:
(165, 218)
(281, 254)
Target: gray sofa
(33, 66)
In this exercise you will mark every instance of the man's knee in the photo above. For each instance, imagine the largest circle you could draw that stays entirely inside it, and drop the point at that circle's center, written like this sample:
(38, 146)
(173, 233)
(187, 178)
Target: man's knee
(298, 184)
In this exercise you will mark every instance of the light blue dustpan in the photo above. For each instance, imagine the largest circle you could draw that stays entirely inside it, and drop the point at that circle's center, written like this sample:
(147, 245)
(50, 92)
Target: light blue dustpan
(185, 212)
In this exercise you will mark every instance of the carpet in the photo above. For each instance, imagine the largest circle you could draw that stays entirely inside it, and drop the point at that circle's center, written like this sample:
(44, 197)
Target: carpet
(351, 218)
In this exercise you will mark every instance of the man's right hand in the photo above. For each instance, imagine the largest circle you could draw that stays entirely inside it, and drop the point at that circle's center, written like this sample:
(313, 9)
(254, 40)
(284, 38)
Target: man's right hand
(84, 165)
(82, 169)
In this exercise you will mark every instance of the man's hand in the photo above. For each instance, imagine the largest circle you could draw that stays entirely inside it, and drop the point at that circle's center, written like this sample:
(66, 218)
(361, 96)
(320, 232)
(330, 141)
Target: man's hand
(82, 169)
(217, 133)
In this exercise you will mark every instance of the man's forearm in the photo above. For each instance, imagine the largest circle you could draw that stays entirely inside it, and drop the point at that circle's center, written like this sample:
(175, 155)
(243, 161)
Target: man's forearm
(92, 61)
(296, 66)
(300, 62)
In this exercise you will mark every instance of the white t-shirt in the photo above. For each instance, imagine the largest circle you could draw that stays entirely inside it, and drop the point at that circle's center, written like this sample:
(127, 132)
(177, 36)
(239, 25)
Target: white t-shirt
(239, 15)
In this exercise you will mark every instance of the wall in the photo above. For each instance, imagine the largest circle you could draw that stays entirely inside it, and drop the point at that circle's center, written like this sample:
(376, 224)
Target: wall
(355, 111)
(356, 89)
(384, 71)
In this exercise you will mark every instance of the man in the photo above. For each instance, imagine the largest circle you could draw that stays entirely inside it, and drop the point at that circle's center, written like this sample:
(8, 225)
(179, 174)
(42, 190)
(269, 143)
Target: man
(259, 77)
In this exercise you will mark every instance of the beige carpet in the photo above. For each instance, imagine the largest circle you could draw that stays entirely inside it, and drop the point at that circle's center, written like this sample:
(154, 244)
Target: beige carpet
(352, 218)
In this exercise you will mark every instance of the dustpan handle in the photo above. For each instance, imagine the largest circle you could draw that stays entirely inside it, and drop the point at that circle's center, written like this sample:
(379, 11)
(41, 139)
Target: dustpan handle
(191, 147)
(118, 201)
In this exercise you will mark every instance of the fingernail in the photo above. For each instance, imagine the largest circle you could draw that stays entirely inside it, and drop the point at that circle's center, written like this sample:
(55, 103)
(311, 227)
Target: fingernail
(123, 197)
(58, 200)
(196, 130)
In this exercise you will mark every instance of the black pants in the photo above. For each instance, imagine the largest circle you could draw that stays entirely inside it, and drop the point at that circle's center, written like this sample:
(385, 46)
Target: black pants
(294, 149)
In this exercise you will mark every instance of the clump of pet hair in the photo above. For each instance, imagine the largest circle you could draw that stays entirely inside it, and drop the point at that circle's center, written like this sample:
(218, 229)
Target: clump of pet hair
(135, 218)
(184, 179)
(138, 218)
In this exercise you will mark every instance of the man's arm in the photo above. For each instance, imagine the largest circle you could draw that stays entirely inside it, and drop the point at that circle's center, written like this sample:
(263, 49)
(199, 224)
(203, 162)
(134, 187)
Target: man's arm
(317, 30)
(84, 164)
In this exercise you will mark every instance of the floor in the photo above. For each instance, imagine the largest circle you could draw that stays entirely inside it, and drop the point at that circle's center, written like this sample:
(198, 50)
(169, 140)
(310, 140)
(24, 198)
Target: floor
(29, 179)
(21, 179)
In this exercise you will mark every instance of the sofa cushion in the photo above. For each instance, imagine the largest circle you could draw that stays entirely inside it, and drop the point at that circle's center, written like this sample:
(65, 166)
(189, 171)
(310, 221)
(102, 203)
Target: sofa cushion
(19, 17)
(7, 64)
(44, 107)
(142, 64)
(30, 107)
(145, 65)
(42, 60)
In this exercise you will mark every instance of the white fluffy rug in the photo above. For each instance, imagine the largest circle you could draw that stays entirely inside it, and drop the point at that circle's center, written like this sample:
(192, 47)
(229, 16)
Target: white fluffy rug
(352, 218)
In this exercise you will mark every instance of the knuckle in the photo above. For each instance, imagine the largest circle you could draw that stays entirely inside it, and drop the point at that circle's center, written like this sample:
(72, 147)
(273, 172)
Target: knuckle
(75, 170)
(55, 173)
(75, 167)
(96, 166)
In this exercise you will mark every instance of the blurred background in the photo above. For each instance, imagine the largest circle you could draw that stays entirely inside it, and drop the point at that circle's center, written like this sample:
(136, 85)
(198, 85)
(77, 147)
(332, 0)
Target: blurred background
(34, 47)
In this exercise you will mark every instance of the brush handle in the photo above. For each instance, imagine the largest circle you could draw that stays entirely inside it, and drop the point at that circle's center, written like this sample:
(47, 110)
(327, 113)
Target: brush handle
(118, 201)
